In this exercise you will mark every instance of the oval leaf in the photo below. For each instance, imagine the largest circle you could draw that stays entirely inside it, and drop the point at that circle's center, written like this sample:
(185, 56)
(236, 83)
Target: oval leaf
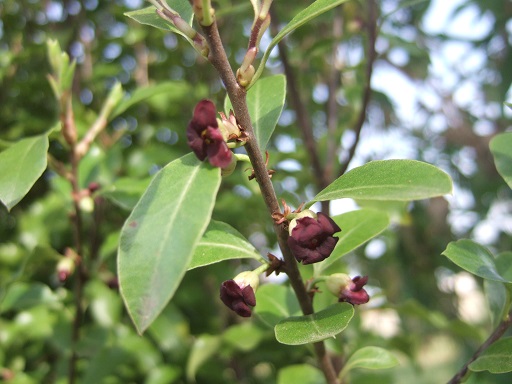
(319, 326)
(496, 358)
(396, 180)
(20, 166)
(314, 10)
(300, 373)
(265, 102)
(369, 358)
(500, 146)
(159, 238)
(357, 227)
(474, 258)
(274, 303)
(221, 242)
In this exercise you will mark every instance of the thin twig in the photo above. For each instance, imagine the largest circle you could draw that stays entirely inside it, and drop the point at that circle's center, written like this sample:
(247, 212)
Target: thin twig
(496, 335)
(371, 25)
(237, 95)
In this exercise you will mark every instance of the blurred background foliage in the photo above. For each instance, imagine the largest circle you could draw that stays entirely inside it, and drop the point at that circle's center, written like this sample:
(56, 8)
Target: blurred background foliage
(438, 93)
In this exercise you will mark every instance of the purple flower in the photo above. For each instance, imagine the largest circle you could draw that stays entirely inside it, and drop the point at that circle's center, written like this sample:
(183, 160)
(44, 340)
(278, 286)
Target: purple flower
(311, 238)
(205, 138)
(237, 297)
(354, 292)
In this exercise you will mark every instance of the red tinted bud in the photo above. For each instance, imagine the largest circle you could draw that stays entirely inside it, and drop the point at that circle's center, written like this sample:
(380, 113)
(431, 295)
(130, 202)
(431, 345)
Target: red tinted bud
(311, 239)
(205, 138)
(238, 294)
(348, 290)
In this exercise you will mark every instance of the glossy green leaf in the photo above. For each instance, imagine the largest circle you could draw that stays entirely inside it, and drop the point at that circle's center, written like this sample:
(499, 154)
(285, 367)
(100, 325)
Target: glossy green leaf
(319, 326)
(159, 237)
(148, 15)
(501, 148)
(221, 242)
(357, 227)
(300, 373)
(265, 102)
(395, 180)
(141, 94)
(304, 16)
(275, 303)
(20, 166)
(205, 346)
(474, 258)
(369, 358)
(504, 265)
(495, 359)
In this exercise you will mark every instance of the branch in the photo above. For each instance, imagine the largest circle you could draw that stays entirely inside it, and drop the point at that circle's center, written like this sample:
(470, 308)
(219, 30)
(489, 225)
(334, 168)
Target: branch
(495, 336)
(237, 95)
(371, 25)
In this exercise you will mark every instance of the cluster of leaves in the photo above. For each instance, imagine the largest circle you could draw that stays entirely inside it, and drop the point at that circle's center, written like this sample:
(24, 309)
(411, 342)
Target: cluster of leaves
(169, 234)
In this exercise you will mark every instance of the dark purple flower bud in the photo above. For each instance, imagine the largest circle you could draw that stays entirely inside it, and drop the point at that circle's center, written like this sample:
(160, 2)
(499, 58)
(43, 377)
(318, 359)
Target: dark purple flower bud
(311, 237)
(347, 289)
(238, 294)
(205, 138)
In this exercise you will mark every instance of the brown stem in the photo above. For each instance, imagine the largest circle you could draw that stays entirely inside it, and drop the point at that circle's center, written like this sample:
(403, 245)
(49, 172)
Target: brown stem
(237, 95)
(498, 332)
(371, 25)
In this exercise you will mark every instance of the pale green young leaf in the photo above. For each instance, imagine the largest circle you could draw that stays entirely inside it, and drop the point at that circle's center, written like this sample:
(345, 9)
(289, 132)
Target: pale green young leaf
(148, 15)
(501, 148)
(159, 237)
(369, 358)
(496, 358)
(395, 180)
(20, 166)
(275, 303)
(221, 242)
(300, 373)
(357, 227)
(474, 258)
(304, 16)
(319, 326)
(265, 102)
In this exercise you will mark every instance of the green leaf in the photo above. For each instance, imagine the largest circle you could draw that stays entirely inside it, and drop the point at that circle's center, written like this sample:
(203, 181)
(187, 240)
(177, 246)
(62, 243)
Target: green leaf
(205, 346)
(357, 227)
(20, 167)
(498, 298)
(265, 102)
(474, 258)
(126, 192)
(144, 93)
(500, 146)
(304, 16)
(496, 358)
(369, 358)
(221, 242)
(159, 237)
(148, 15)
(396, 180)
(243, 337)
(504, 265)
(20, 296)
(319, 326)
(300, 373)
(274, 303)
